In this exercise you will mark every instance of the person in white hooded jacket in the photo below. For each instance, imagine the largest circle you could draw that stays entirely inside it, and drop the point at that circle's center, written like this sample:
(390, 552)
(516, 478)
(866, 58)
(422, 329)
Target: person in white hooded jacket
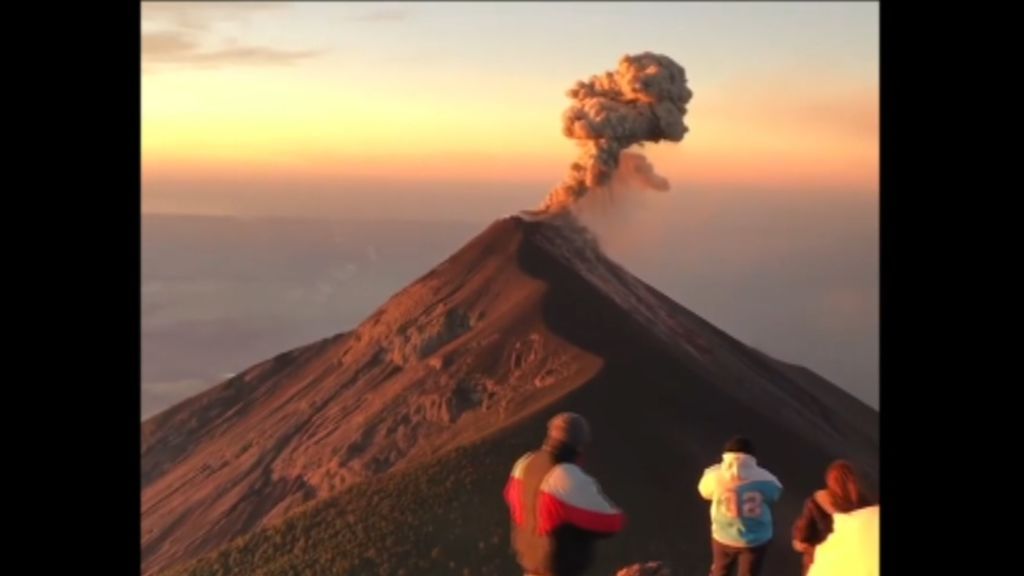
(742, 495)
(852, 547)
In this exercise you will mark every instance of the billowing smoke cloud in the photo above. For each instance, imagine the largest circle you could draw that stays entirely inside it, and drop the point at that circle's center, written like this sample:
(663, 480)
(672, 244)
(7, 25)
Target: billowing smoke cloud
(618, 195)
(644, 100)
(635, 171)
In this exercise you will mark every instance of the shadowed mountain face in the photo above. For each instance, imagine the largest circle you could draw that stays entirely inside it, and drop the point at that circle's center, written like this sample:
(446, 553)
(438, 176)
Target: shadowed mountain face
(527, 319)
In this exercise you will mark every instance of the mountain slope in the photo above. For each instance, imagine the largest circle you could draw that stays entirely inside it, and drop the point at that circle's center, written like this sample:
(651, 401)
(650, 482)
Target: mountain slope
(527, 319)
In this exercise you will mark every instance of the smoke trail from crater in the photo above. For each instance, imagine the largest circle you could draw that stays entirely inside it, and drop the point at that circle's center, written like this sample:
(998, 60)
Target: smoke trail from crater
(643, 100)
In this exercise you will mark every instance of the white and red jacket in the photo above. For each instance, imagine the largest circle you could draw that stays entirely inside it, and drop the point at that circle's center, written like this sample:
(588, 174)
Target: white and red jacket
(557, 511)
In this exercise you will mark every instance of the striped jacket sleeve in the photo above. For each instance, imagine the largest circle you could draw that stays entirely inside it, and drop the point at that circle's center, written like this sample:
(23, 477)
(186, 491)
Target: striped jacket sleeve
(569, 496)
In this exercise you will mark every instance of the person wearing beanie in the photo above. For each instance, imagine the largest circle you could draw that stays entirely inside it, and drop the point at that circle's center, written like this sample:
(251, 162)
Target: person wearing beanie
(742, 495)
(557, 510)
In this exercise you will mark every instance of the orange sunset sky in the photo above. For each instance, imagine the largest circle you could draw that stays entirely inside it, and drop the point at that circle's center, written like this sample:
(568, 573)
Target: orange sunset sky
(326, 94)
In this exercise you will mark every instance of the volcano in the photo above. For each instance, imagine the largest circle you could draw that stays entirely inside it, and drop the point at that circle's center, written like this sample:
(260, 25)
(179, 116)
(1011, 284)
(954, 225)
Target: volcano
(386, 448)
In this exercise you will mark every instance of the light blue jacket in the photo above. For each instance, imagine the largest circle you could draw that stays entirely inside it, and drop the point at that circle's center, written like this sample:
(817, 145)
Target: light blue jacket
(742, 495)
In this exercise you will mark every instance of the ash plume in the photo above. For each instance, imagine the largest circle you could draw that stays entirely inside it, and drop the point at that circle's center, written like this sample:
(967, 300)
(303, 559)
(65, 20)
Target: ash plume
(636, 171)
(643, 100)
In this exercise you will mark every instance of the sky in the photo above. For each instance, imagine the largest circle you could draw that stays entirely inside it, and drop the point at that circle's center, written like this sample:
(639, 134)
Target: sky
(452, 111)
(310, 95)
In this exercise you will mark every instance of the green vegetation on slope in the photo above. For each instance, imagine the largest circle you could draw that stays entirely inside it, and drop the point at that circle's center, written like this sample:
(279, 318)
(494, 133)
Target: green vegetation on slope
(413, 521)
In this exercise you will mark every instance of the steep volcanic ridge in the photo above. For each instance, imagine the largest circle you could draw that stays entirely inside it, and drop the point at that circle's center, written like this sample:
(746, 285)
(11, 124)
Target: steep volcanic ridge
(448, 382)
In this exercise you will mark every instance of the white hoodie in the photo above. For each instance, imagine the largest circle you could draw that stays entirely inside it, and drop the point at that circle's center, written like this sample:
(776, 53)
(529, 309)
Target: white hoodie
(852, 547)
(742, 495)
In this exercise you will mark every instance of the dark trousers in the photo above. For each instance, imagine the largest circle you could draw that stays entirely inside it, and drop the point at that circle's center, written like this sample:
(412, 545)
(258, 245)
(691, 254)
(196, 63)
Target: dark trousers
(749, 561)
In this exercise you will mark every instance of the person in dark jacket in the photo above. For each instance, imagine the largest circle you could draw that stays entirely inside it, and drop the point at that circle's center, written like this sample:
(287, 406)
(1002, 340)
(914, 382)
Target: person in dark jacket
(844, 492)
(557, 509)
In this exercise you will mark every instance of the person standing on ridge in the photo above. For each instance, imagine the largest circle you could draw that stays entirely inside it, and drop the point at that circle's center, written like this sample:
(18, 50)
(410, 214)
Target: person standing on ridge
(557, 510)
(742, 495)
(844, 492)
(852, 548)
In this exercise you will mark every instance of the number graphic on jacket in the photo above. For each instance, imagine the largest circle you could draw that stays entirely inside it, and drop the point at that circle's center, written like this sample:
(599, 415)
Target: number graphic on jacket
(752, 503)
